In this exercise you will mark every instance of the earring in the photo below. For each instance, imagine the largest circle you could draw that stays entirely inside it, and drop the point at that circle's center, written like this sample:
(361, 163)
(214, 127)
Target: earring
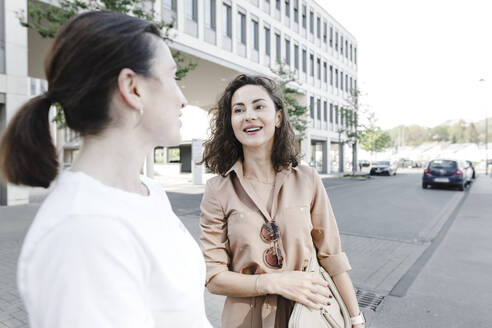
(140, 111)
(139, 118)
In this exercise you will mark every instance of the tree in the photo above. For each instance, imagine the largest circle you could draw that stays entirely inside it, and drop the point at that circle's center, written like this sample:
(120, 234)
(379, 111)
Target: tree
(373, 138)
(471, 134)
(47, 19)
(290, 95)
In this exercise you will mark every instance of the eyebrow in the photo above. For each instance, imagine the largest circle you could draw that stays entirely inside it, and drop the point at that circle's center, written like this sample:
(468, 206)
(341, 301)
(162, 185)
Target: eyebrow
(254, 101)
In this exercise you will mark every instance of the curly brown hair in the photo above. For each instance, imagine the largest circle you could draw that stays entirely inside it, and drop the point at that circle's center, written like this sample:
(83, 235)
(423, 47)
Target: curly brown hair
(223, 149)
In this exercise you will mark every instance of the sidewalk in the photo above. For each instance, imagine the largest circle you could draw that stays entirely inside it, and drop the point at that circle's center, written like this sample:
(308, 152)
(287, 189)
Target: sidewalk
(454, 288)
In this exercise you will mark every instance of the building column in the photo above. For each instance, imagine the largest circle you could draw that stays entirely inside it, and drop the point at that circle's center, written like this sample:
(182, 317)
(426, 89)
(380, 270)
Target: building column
(341, 164)
(328, 159)
(15, 80)
(326, 156)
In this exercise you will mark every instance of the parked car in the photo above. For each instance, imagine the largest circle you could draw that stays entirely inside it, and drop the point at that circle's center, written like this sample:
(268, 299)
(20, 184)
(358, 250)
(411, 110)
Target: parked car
(470, 164)
(444, 172)
(364, 163)
(383, 168)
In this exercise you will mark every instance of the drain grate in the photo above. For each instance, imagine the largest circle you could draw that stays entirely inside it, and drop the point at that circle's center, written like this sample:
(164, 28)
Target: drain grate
(368, 300)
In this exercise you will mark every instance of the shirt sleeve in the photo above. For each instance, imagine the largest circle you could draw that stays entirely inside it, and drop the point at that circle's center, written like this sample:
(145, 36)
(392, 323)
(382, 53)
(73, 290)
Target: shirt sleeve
(88, 272)
(325, 233)
(214, 241)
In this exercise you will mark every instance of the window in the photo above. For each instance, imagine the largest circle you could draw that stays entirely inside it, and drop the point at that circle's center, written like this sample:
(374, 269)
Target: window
(346, 83)
(336, 41)
(325, 72)
(318, 27)
(242, 28)
(296, 11)
(355, 56)
(277, 47)
(336, 114)
(318, 62)
(342, 111)
(325, 111)
(311, 62)
(296, 56)
(287, 51)
(267, 41)
(227, 20)
(351, 85)
(311, 107)
(331, 75)
(341, 80)
(304, 60)
(304, 13)
(336, 78)
(318, 109)
(210, 17)
(331, 36)
(287, 8)
(341, 44)
(351, 52)
(277, 4)
(256, 39)
(192, 10)
(171, 5)
(346, 49)
(355, 84)
(325, 31)
(331, 113)
(311, 22)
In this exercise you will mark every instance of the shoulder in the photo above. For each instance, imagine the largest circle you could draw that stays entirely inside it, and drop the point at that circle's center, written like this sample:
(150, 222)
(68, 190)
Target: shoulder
(218, 183)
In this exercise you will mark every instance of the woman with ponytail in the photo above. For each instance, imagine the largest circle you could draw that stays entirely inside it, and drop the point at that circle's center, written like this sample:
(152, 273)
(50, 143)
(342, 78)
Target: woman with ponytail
(105, 248)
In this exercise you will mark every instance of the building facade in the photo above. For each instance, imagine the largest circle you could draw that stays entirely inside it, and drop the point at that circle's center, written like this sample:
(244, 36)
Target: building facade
(225, 38)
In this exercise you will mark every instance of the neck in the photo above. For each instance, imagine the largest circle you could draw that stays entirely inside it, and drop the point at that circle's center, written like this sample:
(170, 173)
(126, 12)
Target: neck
(115, 158)
(258, 164)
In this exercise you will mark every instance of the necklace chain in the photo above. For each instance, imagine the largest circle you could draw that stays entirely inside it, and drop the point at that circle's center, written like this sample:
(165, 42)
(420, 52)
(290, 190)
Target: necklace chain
(263, 182)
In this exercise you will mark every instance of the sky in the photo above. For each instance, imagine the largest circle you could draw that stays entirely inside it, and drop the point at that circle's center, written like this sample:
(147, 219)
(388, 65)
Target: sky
(420, 61)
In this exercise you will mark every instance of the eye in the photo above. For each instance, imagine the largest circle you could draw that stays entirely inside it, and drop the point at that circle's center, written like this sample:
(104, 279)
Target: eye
(237, 110)
(260, 107)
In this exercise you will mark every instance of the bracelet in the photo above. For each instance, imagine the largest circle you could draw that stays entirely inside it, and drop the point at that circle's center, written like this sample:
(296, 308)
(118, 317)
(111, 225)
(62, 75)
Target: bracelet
(357, 320)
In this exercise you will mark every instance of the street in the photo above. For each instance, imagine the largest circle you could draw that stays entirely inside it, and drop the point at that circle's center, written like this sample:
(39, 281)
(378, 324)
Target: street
(390, 228)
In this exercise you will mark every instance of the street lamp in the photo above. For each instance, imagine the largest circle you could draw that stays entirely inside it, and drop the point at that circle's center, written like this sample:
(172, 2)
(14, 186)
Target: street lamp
(486, 139)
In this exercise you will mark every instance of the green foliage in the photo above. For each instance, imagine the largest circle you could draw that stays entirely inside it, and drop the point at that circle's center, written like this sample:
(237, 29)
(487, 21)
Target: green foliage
(47, 19)
(373, 138)
(453, 132)
(297, 113)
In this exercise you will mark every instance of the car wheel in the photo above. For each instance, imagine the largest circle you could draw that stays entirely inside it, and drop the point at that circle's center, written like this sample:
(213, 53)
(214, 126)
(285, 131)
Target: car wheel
(424, 185)
(461, 187)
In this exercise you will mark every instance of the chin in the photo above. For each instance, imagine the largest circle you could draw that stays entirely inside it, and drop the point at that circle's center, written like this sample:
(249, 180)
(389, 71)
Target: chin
(170, 141)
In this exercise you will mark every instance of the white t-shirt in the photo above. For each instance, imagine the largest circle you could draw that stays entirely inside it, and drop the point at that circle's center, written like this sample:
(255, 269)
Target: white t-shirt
(97, 256)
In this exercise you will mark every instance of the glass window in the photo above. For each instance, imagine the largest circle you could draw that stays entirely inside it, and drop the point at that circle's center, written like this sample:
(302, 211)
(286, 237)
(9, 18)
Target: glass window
(331, 74)
(287, 8)
(325, 32)
(311, 107)
(277, 4)
(336, 114)
(311, 61)
(336, 78)
(318, 62)
(331, 113)
(304, 13)
(318, 27)
(287, 51)
(296, 11)
(325, 111)
(210, 14)
(346, 49)
(227, 14)
(171, 5)
(256, 39)
(278, 47)
(304, 60)
(336, 41)
(311, 22)
(318, 109)
(192, 10)
(346, 82)
(331, 36)
(296, 56)
(267, 41)
(325, 72)
(341, 80)
(341, 44)
(355, 56)
(242, 28)
(351, 52)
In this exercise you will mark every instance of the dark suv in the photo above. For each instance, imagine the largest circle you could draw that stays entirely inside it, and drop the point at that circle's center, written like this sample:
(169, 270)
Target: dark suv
(442, 172)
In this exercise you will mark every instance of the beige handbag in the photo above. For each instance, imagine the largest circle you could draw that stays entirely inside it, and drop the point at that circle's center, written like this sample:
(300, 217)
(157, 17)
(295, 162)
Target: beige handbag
(335, 315)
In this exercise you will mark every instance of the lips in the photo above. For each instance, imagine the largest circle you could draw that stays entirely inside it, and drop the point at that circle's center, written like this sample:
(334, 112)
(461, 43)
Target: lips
(252, 129)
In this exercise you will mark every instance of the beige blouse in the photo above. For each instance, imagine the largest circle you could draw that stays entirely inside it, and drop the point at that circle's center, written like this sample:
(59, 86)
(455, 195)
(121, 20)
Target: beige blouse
(231, 219)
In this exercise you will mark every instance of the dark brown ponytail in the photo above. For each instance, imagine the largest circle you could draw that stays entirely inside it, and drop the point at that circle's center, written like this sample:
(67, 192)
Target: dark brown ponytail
(82, 68)
(27, 153)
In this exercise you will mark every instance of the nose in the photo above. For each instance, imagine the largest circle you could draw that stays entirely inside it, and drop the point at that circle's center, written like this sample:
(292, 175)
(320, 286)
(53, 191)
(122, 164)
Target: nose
(250, 114)
(183, 100)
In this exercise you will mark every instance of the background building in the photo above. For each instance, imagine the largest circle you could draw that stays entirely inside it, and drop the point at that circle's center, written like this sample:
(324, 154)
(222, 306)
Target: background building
(225, 38)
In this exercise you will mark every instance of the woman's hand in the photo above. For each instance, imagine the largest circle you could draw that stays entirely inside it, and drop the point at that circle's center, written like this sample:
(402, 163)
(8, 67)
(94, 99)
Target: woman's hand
(306, 288)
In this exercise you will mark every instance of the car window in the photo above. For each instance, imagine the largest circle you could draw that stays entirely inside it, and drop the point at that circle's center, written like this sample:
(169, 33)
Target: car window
(381, 163)
(443, 164)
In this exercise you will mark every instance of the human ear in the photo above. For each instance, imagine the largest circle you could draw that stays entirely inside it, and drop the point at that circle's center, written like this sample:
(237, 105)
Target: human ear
(129, 89)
